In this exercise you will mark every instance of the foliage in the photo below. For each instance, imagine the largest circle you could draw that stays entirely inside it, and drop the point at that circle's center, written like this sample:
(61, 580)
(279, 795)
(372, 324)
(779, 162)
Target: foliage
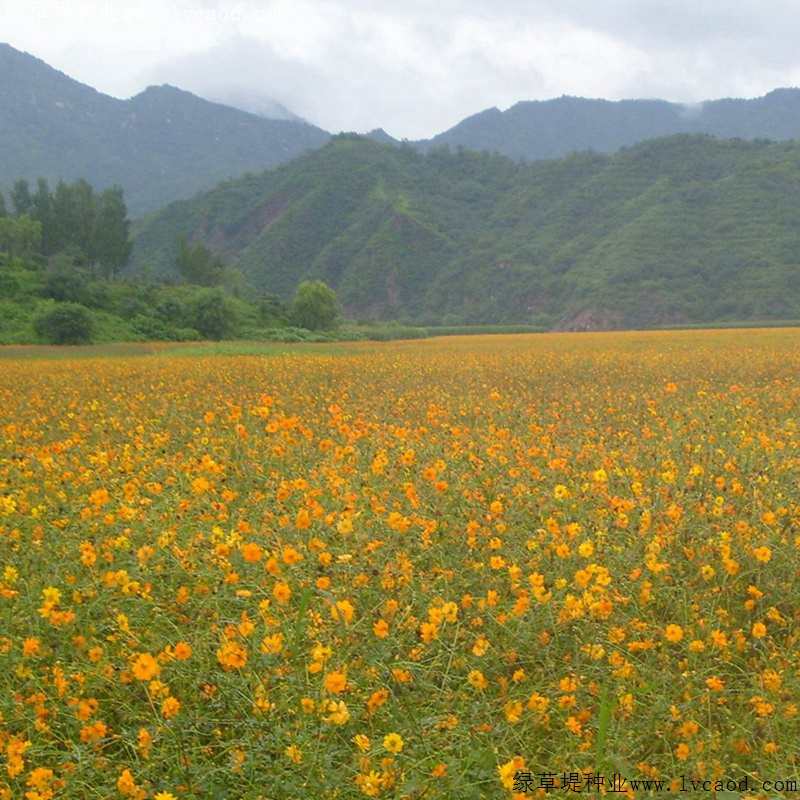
(687, 229)
(196, 264)
(401, 570)
(315, 307)
(19, 235)
(212, 314)
(65, 323)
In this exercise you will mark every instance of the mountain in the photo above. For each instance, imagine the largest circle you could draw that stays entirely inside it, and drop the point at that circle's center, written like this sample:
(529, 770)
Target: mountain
(685, 229)
(551, 128)
(159, 145)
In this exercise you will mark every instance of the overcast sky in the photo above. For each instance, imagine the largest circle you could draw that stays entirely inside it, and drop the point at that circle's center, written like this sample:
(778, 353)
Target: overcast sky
(415, 67)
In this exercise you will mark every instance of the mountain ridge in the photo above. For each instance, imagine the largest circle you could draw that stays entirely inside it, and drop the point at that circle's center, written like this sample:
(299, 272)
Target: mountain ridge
(541, 129)
(55, 127)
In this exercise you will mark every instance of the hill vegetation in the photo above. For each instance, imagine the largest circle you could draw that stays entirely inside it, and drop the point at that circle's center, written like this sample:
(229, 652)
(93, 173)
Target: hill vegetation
(680, 230)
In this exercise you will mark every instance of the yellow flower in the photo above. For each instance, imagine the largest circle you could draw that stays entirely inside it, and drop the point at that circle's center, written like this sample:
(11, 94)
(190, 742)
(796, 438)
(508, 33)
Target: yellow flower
(294, 753)
(481, 646)
(231, 656)
(272, 644)
(125, 783)
(762, 554)
(759, 630)
(508, 770)
(673, 633)
(513, 710)
(145, 667)
(371, 783)
(393, 742)
(335, 682)
(170, 707)
(338, 713)
(428, 632)
(343, 610)
(477, 680)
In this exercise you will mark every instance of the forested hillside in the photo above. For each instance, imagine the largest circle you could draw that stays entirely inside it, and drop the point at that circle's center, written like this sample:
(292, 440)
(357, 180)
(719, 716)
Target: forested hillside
(681, 230)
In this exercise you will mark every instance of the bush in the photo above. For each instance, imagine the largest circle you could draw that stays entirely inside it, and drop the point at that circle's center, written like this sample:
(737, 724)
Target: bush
(213, 314)
(315, 307)
(65, 323)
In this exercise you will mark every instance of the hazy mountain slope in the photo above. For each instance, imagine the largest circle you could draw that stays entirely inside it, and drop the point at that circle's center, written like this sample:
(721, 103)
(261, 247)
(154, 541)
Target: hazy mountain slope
(681, 229)
(551, 128)
(162, 144)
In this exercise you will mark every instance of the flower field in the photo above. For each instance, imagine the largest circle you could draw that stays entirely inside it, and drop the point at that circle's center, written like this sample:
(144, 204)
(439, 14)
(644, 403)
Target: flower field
(414, 569)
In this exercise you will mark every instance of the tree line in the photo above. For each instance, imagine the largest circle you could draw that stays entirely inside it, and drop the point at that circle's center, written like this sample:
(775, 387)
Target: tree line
(62, 255)
(91, 227)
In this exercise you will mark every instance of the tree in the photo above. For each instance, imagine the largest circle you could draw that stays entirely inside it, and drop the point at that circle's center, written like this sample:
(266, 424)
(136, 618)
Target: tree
(198, 265)
(19, 235)
(74, 209)
(111, 245)
(315, 306)
(21, 197)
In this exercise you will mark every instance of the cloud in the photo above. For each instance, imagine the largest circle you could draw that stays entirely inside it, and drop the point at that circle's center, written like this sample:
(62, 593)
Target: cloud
(417, 67)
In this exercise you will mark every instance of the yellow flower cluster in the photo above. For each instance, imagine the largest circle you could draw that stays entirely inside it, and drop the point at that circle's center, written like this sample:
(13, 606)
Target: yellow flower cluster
(399, 568)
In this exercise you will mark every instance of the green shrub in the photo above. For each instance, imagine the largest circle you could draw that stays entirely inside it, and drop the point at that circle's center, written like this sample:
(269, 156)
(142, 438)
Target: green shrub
(65, 323)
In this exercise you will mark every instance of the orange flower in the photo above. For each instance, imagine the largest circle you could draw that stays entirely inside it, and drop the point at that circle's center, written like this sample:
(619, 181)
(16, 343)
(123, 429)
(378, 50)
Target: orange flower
(377, 699)
(145, 667)
(231, 656)
(673, 633)
(170, 707)
(281, 592)
(126, 784)
(251, 552)
(182, 651)
(335, 682)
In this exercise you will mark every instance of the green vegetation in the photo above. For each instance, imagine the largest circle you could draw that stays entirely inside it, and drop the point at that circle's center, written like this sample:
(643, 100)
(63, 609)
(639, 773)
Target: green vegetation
(61, 250)
(686, 230)
(315, 307)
